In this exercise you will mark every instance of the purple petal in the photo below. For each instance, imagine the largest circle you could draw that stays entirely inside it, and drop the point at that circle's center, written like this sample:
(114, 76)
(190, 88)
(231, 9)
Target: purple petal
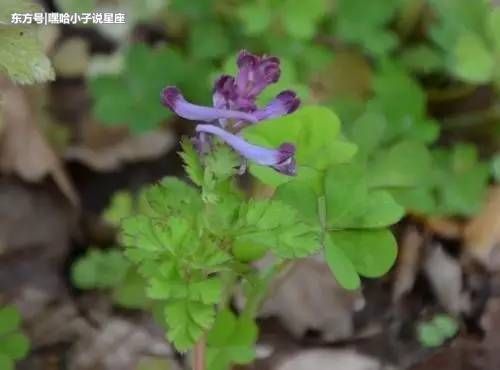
(285, 102)
(255, 73)
(224, 92)
(281, 159)
(173, 99)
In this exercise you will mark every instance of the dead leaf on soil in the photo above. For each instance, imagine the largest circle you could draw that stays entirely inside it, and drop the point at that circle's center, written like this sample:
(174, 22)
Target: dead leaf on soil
(445, 227)
(72, 57)
(482, 233)
(118, 345)
(331, 360)
(408, 263)
(445, 276)
(51, 222)
(23, 150)
(128, 149)
(307, 297)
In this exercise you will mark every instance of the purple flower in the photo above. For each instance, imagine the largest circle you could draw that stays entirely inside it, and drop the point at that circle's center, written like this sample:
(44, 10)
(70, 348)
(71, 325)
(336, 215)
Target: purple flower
(255, 74)
(234, 107)
(224, 92)
(172, 98)
(281, 159)
(285, 102)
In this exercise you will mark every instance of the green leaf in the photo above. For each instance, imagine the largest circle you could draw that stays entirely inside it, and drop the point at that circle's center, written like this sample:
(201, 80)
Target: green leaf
(132, 97)
(207, 291)
(372, 252)
(465, 193)
(473, 61)
(456, 17)
(131, 293)
(9, 319)
(194, 10)
(231, 341)
(21, 55)
(6, 363)
(314, 130)
(256, 17)
(221, 162)
(494, 27)
(349, 204)
(121, 206)
(100, 269)
(460, 180)
(341, 266)
(400, 98)
(367, 132)
(276, 225)
(301, 197)
(221, 217)
(223, 328)
(405, 164)
(187, 321)
(247, 251)
(439, 329)
(422, 58)
(14, 346)
(84, 273)
(151, 237)
(429, 335)
(173, 197)
(208, 40)
(192, 163)
(446, 324)
(370, 33)
(300, 18)
(419, 200)
(495, 164)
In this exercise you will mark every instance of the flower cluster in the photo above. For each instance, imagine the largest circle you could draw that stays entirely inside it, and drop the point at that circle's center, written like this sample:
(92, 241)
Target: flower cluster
(235, 107)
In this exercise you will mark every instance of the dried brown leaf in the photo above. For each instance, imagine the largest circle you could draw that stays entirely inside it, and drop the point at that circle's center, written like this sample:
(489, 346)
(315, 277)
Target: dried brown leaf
(129, 149)
(408, 263)
(445, 227)
(341, 359)
(482, 233)
(307, 297)
(445, 276)
(23, 149)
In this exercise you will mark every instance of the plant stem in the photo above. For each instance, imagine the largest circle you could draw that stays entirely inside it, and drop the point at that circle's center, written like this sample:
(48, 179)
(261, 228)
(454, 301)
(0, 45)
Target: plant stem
(199, 355)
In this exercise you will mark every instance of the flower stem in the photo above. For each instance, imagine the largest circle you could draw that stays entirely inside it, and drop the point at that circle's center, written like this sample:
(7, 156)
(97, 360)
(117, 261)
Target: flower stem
(199, 355)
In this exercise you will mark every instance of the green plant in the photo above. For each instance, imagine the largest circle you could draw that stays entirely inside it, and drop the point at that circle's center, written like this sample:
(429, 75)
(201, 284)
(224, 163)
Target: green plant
(21, 55)
(129, 97)
(407, 57)
(197, 242)
(435, 332)
(108, 269)
(13, 344)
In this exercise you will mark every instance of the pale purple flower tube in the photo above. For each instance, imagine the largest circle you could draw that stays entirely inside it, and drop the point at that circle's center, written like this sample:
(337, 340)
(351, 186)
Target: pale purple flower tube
(285, 102)
(172, 98)
(281, 159)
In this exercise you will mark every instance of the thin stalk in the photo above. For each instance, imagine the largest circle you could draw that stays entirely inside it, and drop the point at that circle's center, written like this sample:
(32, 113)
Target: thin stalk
(199, 355)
